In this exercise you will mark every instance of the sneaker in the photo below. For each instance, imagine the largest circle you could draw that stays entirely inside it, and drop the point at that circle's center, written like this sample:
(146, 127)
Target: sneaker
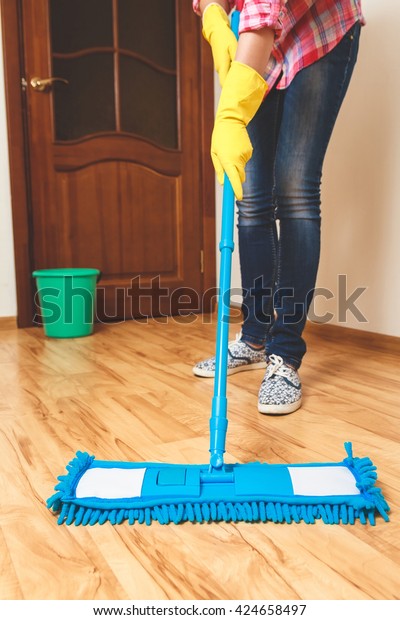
(241, 356)
(280, 391)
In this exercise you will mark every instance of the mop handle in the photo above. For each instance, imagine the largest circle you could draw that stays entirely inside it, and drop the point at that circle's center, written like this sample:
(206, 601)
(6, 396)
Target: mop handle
(218, 420)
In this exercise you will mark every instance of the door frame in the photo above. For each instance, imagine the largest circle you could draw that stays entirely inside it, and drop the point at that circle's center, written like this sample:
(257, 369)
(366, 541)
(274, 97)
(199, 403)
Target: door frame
(14, 74)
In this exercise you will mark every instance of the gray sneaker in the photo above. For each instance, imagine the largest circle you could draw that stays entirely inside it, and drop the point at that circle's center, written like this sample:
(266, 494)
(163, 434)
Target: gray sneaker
(241, 356)
(280, 391)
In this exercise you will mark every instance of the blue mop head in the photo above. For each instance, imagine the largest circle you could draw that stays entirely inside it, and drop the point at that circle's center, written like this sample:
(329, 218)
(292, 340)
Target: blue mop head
(99, 491)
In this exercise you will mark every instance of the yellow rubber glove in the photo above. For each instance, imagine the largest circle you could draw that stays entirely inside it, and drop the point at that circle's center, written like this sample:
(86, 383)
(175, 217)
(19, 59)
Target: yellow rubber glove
(218, 33)
(231, 149)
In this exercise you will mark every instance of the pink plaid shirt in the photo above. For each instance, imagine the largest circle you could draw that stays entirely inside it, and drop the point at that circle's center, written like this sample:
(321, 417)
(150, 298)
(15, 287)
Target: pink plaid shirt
(305, 30)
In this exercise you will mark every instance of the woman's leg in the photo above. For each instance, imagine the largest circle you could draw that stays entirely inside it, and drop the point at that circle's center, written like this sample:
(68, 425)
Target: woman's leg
(258, 240)
(310, 107)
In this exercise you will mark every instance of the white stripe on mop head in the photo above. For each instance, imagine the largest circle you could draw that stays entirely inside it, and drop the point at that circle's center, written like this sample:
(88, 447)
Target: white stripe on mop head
(320, 481)
(111, 483)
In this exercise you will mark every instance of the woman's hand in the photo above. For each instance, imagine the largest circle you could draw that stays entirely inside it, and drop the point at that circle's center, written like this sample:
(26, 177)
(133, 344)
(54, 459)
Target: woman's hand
(218, 33)
(241, 96)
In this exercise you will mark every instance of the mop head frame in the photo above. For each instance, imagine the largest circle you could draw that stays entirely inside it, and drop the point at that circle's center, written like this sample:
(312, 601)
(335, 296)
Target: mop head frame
(99, 491)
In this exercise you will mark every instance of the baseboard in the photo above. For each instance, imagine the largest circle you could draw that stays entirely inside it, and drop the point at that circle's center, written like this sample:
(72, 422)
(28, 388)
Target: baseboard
(8, 322)
(372, 340)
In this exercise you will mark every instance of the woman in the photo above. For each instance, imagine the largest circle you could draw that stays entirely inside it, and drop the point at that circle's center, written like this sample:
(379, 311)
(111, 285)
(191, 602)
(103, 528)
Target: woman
(282, 88)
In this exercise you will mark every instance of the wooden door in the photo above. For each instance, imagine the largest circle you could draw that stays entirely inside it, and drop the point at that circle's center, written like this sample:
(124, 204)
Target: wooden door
(115, 148)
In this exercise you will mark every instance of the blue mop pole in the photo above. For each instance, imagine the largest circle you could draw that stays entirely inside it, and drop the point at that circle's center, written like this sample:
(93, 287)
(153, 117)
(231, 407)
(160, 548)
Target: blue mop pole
(218, 420)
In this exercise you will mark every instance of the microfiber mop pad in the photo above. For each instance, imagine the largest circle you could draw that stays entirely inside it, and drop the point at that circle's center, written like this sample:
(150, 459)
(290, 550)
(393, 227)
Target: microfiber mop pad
(99, 491)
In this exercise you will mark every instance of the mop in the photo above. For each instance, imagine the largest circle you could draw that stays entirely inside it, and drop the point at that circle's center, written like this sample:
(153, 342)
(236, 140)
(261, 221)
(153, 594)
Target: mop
(95, 491)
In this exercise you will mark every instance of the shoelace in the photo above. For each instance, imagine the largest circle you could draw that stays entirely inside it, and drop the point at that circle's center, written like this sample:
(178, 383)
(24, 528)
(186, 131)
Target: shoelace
(277, 366)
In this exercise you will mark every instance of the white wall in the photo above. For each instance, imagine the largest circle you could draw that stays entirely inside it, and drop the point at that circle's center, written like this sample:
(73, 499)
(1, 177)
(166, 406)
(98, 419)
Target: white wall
(361, 183)
(8, 301)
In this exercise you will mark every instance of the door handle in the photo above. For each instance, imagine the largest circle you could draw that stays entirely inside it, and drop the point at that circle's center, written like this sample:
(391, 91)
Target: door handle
(43, 84)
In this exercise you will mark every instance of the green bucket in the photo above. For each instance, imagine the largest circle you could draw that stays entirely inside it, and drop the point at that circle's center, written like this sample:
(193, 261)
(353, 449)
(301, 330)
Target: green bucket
(67, 301)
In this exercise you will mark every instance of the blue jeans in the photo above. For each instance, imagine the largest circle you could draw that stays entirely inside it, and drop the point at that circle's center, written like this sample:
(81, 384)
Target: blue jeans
(290, 134)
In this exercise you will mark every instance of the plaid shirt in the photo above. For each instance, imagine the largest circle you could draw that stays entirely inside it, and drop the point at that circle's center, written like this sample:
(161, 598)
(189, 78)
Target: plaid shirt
(305, 30)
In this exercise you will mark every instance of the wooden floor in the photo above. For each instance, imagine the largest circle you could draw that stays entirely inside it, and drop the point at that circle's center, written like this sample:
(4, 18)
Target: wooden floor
(127, 393)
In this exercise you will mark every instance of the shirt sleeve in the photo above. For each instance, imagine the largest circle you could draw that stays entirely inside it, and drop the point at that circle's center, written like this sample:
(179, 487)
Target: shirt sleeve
(196, 5)
(257, 14)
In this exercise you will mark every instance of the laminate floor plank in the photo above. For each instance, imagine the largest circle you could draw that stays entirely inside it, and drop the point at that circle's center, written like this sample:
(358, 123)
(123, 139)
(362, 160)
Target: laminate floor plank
(128, 393)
